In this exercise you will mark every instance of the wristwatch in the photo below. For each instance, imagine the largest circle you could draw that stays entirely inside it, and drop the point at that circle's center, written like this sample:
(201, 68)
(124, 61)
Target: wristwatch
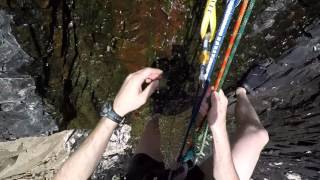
(108, 112)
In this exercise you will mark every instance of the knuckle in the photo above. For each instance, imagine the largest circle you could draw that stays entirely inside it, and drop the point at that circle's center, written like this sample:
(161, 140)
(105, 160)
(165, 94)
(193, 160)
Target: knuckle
(147, 69)
(129, 76)
(143, 100)
(226, 103)
(225, 100)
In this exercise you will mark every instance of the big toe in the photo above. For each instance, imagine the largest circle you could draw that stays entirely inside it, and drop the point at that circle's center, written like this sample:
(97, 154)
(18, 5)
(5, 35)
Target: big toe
(241, 91)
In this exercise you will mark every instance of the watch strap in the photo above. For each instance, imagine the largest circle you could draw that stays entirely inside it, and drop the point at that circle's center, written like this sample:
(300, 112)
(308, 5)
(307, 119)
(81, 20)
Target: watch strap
(108, 112)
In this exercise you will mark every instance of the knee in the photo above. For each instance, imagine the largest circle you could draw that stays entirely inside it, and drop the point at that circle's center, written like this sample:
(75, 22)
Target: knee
(256, 134)
(262, 136)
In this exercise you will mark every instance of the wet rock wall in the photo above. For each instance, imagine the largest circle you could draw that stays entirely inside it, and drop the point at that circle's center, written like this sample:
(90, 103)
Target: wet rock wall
(87, 47)
(287, 96)
(22, 111)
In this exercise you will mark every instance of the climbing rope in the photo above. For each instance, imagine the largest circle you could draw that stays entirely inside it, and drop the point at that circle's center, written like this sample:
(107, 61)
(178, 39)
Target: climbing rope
(234, 41)
(224, 70)
(215, 49)
(208, 64)
(189, 154)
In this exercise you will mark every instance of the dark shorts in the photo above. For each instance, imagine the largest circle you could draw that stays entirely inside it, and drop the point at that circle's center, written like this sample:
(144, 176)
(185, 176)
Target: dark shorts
(143, 167)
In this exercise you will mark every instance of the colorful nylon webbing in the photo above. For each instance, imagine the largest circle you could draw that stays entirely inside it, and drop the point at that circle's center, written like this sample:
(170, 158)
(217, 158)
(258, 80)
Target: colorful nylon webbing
(235, 38)
(207, 66)
(231, 5)
(219, 83)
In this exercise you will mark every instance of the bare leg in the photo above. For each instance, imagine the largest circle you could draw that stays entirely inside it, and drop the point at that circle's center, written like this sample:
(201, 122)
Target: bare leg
(251, 137)
(150, 140)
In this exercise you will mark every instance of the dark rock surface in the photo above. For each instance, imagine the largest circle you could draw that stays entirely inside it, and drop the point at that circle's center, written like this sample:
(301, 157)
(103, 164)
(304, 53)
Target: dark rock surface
(22, 111)
(287, 97)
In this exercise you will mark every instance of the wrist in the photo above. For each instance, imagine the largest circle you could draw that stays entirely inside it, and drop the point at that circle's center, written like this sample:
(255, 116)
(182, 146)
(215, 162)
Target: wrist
(218, 128)
(108, 112)
(117, 109)
(108, 123)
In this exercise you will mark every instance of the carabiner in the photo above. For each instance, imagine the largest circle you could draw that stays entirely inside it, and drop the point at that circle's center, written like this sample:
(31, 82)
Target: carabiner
(209, 20)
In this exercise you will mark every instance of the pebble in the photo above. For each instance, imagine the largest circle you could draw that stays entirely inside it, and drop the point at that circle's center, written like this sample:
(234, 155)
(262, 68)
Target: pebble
(316, 48)
(293, 176)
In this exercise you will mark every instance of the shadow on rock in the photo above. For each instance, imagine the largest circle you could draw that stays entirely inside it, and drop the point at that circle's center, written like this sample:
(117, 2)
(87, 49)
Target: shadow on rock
(172, 97)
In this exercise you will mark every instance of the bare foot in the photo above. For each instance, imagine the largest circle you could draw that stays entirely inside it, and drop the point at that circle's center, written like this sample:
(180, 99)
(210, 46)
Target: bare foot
(241, 91)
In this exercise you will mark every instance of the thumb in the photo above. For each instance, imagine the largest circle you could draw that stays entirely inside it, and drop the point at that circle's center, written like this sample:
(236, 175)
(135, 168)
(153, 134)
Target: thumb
(205, 103)
(214, 100)
(149, 90)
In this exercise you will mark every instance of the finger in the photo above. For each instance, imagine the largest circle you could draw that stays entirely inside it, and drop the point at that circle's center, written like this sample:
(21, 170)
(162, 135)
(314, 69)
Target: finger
(147, 73)
(221, 93)
(222, 96)
(208, 93)
(155, 76)
(152, 69)
(149, 90)
(150, 72)
(204, 109)
(214, 99)
(204, 104)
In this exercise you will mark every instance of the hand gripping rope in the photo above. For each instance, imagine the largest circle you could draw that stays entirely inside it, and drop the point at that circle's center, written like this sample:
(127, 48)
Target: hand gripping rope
(244, 15)
(234, 41)
(189, 154)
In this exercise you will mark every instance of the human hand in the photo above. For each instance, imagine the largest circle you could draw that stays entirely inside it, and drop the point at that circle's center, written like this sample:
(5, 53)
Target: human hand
(205, 104)
(218, 111)
(131, 96)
